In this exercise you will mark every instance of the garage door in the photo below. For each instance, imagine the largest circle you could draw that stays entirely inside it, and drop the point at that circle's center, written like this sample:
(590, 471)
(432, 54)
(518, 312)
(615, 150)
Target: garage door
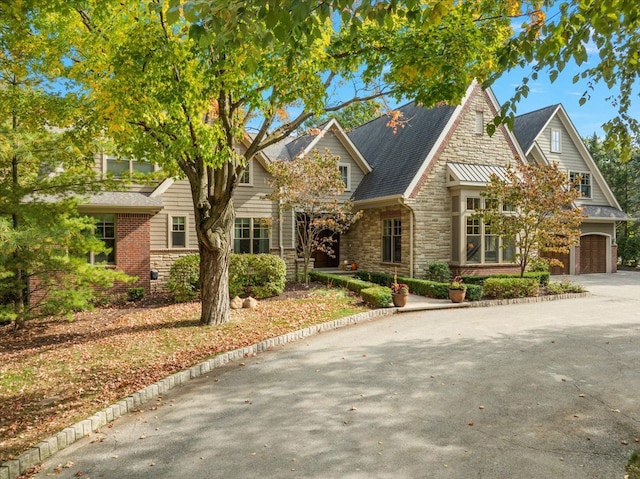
(563, 258)
(593, 254)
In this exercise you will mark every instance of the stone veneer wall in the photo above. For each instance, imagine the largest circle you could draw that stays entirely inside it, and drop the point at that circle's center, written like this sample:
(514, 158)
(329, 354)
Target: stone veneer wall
(363, 242)
(431, 200)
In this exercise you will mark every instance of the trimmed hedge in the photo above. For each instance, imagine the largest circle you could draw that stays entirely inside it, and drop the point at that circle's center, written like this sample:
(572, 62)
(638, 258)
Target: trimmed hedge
(430, 289)
(541, 276)
(258, 275)
(507, 288)
(377, 296)
(352, 284)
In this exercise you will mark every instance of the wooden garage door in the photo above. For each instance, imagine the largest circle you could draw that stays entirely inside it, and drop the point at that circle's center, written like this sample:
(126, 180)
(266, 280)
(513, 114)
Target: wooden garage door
(563, 258)
(593, 254)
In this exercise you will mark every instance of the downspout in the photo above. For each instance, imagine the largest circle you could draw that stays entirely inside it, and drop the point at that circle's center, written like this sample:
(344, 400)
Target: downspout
(411, 242)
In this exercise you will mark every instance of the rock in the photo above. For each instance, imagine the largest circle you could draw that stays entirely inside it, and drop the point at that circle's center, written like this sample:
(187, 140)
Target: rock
(236, 303)
(250, 303)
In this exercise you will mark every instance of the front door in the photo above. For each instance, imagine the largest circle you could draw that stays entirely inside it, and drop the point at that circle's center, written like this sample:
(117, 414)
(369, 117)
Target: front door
(323, 260)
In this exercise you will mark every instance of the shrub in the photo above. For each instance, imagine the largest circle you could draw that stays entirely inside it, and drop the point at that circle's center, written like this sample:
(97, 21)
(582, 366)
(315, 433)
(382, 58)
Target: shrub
(135, 293)
(564, 286)
(633, 465)
(377, 296)
(506, 288)
(629, 250)
(541, 276)
(184, 278)
(537, 265)
(438, 272)
(257, 275)
(352, 284)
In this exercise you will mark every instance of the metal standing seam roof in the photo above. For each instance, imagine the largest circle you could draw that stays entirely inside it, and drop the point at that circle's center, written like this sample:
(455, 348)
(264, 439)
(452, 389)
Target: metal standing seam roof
(471, 173)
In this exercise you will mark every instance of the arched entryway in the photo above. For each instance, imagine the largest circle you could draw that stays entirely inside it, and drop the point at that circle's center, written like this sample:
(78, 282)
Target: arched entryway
(593, 254)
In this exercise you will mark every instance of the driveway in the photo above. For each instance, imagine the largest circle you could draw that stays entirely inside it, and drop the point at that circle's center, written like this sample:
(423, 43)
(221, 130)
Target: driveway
(541, 390)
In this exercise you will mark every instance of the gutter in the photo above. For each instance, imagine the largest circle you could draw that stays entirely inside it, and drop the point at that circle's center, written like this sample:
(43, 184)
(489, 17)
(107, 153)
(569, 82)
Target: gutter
(402, 203)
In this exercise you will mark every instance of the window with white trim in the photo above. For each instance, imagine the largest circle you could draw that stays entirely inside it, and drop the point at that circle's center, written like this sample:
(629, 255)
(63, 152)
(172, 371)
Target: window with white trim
(582, 182)
(479, 123)
(556, 141)
(106, 232)
(126, 167)
(251, 235)
(392, 240)
(178, 232)
(481, 244)
(246, 177)
(344, 176)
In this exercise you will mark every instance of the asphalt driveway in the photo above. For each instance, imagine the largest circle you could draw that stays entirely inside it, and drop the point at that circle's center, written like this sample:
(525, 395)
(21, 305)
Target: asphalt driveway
(541, 390)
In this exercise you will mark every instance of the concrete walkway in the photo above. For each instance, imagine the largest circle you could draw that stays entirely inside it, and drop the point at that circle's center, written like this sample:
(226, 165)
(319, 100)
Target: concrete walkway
(537, 390)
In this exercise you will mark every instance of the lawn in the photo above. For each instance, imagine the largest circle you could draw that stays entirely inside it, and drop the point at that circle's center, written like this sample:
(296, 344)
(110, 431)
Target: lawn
(56, 372)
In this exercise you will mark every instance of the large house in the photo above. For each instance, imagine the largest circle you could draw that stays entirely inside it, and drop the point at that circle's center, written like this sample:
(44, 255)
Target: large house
(418, 186)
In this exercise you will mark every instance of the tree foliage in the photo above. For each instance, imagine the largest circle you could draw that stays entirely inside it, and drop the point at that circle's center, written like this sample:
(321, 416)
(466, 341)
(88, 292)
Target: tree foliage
(181, 82)
(311, 187)
(44, 161)
(572, 31)
(541, 216)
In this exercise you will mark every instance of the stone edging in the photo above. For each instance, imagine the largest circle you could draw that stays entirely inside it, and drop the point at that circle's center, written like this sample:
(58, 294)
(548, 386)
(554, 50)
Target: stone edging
(37, 454)
(534, 299)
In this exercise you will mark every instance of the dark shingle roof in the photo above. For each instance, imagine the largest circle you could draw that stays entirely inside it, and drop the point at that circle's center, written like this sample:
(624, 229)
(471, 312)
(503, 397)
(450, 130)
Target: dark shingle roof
(396, 158)
(606, 212)
(528, 126)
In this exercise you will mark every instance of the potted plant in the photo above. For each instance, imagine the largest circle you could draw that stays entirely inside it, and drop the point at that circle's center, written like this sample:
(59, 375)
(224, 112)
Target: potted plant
(399, 292)
(457, 290)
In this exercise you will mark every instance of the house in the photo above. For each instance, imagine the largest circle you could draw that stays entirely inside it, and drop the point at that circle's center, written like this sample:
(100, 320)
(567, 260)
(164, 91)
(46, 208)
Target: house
(418, 186)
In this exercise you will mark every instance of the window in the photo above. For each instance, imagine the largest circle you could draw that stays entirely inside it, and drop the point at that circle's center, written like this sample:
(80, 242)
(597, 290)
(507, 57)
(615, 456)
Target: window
(473, 240)
(479, 123)
(473, 204)
(251, 235)
(582, 182)
(556, 141)
(125, 167)
(344, 175)
(178, 232)
(245, 178)
(106, 232)
(392, 241)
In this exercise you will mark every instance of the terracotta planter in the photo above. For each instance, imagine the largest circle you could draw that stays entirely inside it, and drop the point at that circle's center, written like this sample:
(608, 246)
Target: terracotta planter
(400, 299)
(457, 295)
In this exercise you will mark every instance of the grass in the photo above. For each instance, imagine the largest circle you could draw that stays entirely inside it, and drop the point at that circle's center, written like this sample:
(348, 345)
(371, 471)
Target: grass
(56, 372)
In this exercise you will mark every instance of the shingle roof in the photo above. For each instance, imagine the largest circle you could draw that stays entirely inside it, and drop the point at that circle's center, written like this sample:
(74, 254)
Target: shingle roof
(397, 157)
(605, 212)
(528, 126)
(124, 199)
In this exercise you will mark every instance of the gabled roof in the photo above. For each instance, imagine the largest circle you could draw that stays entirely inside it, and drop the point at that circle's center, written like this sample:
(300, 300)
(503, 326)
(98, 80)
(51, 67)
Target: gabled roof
(527, 127)
(397, 157)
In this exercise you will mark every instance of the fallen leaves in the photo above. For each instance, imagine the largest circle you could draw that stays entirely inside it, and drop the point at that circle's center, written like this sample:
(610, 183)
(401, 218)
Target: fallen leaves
(55, 372)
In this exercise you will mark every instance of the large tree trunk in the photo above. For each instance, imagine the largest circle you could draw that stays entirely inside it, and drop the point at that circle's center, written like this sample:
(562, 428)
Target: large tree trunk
(214, 286)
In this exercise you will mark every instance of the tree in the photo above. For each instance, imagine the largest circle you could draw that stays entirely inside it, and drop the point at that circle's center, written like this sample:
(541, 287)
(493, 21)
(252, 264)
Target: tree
(350, 117)
(310, 186)
(532, 208)
(548, 45)
(181, 82)
(43, 241)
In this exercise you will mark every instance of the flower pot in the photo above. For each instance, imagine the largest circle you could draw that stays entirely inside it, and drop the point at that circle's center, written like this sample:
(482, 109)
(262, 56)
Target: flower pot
(457, 295)
(400, 299)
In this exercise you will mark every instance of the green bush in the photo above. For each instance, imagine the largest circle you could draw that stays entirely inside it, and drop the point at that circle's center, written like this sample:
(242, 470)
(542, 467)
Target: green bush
(438, 272)
(629, 250)
(541, 276)
(537, 265)
(564, 286)
(377, 296)
(184, 278)
(633, 465)
(507, 288)
(352, 284)
(258, 275)
(135, 293)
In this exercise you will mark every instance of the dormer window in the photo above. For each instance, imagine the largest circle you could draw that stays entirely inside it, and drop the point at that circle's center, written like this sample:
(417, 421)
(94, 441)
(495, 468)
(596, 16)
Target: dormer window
(126, 167)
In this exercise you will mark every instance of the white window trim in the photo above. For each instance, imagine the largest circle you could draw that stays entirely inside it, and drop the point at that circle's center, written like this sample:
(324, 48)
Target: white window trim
(248, 168)
(559, 133)
(480, 123)
(170, 231)
(348, 166)
(92, 255)
(582, 173)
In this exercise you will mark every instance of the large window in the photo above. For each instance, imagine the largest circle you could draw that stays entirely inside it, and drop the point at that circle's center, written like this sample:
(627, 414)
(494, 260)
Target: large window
(251, 235)
(178, 231)
(481, 244)
(392, 241)
(583, 183)
(125, 167)
(106, 232)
